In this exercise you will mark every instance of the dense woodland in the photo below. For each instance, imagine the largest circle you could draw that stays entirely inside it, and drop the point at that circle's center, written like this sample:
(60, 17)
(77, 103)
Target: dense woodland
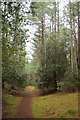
(55, 63)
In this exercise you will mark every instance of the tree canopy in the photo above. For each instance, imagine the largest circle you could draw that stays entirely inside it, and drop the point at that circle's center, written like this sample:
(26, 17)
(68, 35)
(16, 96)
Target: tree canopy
(54, 42)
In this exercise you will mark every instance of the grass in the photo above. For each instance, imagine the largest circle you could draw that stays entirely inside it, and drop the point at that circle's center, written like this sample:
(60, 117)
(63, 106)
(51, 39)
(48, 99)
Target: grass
(9, 105)
(56, 106)
(72, 112)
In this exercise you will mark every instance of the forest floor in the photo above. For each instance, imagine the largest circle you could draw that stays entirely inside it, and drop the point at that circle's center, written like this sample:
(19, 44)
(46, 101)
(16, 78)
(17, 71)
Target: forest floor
(18, 105)
(58, 105)
(29, 105)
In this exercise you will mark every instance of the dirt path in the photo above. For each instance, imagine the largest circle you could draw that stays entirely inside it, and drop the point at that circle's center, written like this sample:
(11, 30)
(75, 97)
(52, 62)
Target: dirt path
(24, 109)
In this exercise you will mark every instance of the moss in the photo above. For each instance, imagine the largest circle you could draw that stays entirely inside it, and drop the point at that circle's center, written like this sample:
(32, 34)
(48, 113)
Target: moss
(71, 111)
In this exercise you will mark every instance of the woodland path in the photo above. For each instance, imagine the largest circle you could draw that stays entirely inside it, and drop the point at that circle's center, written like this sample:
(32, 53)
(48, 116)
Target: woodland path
(24, 109)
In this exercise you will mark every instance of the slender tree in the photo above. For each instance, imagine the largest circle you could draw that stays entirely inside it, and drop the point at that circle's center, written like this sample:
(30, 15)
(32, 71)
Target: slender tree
(71, 37)
(79, 43)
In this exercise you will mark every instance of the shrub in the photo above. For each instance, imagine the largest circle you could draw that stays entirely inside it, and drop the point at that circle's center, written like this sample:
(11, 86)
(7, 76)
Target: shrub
(67, 86)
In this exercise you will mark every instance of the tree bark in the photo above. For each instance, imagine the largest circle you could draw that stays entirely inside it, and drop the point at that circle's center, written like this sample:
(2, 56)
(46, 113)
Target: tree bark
(79, 35)
(75, 44)
(55, 24)
(58, 29)
(55, 47)
(78, 46)
(71, 37)
(42, 39)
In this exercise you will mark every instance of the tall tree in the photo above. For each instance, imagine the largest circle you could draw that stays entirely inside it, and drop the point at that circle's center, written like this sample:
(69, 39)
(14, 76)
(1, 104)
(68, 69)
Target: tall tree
(71, 37)
(13, 44)
(79, 43)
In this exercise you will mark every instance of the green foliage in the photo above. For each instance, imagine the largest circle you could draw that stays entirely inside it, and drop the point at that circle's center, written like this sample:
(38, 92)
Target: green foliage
(13, 45)
(55, 63)
(68, 86)
(72, 112)
(69, 83)
(52, 48)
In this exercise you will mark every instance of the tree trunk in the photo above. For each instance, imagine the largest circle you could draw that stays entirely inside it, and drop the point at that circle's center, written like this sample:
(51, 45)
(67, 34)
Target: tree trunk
(42, 39)
(79, 35)
(55, 47)
(71, 38)
(75, 44)
(58, 30)
(55, 24)
(78, 46)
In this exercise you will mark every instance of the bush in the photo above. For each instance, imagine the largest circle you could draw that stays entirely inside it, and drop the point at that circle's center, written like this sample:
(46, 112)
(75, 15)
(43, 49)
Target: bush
(68, 87)
(69, 82)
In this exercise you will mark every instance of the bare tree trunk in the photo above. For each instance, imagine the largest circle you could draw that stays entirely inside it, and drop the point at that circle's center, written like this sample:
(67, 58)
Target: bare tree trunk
(75, 44)
(55, 24)
(79, 35)
(58, 29)
(58, 38)
(50, 28)
(55, 75)
(78, 46)
(42, 39)
(42, 23)
(71, 38)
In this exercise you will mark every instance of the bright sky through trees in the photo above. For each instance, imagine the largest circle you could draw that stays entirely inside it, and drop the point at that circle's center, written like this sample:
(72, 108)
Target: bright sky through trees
(32, 29)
